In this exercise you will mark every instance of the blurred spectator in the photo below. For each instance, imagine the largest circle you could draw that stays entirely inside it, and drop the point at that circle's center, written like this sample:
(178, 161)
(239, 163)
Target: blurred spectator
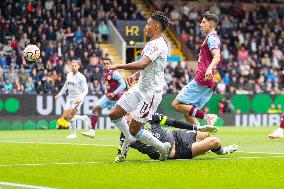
(48, 5)
(22, 75)
(7, 86)
(18, 87)
(65, 30)
(229, 107)
(3, 60)
(249, 42)
(221, 87)
(272, 109)
(221, 106)
(39, 87)
(48, 86)
(1, 76)
(279, 108)
(103, 30)
(96, 87)
(29, 86)
(12, 76)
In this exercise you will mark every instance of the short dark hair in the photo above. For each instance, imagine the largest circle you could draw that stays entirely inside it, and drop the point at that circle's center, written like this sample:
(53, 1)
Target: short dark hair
(211, 17)
(162, 18)
(107, 59)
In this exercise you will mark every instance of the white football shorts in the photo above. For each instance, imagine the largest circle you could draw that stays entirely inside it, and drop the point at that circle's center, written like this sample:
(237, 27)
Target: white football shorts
(142, 105)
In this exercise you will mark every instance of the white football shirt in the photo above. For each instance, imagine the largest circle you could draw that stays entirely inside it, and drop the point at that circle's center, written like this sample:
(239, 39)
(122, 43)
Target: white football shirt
(152, 77)
(76, 85)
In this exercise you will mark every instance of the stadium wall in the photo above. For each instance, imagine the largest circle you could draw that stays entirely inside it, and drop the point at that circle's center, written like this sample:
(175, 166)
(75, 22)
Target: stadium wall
(24, 112)
(27, 112)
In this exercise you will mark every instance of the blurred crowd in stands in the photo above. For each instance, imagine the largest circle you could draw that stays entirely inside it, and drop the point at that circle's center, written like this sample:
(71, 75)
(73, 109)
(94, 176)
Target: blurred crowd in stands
(63, 30)
(252, 44)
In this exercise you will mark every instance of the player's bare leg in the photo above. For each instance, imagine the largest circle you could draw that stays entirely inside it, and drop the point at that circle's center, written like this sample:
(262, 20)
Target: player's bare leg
(204, 143)
(201, 136)
(191, 119)
(194, 112)
(117, 117)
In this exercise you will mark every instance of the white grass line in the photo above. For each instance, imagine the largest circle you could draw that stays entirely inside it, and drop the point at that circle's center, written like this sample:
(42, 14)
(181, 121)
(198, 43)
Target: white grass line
(56, 143)
(270, 153)
(110, 145)
(47, 164)
(131, 161)
(23, 185)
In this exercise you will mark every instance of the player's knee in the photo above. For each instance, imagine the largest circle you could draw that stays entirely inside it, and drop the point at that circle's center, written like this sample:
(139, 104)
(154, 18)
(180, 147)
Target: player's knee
(133, 131)
(96, 110)
(70, 115)
(202, 135)
(214, 142)
(66, 117)
(114, 116)
(175, 104)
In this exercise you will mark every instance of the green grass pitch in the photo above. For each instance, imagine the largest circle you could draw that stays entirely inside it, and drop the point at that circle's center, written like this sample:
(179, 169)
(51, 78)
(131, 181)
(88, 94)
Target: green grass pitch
(47, 158)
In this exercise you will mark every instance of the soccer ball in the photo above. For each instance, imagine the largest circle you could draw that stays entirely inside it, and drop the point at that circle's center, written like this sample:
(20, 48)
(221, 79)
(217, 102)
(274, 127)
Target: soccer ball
(31, 53)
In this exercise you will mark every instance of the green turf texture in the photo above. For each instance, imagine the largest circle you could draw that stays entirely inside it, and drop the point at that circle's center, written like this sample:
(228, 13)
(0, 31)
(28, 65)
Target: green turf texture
(92, 166)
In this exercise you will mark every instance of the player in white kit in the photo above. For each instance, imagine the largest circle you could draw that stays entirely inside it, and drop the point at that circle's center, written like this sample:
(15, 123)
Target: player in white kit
(77, 88)
(143, 99)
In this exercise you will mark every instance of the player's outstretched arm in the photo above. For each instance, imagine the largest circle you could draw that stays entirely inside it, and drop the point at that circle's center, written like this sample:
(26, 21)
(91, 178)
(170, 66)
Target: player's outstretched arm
(137, 65)
(164, 120)
(122, 85)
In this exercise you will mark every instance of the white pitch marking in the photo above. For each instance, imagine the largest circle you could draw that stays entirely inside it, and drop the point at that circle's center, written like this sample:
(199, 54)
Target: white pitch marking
(24, 185)
(47, 164)
(56, 143)
(270, 153)
(150, 160)
(108, 145)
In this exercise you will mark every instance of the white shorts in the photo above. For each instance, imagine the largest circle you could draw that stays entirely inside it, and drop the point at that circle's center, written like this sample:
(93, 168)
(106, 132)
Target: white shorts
(142, 105)
(70, 104)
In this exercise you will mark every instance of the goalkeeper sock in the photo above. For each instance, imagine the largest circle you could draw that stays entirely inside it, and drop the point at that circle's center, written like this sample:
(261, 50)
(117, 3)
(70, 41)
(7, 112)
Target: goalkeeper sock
(180, 124)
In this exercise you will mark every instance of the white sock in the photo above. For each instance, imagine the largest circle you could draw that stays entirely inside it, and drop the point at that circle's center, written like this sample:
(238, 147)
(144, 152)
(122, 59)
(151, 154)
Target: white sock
(73, 125)
(146, 137)
(125, 147)
(78, 117)
(92, 131)
(122, 125)
(279, 130)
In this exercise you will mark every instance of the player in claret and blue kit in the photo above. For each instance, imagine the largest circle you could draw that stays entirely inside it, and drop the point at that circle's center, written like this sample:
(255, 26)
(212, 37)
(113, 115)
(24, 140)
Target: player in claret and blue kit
(198, 92)
(114, 88)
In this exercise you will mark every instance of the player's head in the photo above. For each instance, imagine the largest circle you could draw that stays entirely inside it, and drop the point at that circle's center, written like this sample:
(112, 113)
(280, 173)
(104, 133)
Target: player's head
(158, 22)
(75, 65)
(209, 22)
(106, 63)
